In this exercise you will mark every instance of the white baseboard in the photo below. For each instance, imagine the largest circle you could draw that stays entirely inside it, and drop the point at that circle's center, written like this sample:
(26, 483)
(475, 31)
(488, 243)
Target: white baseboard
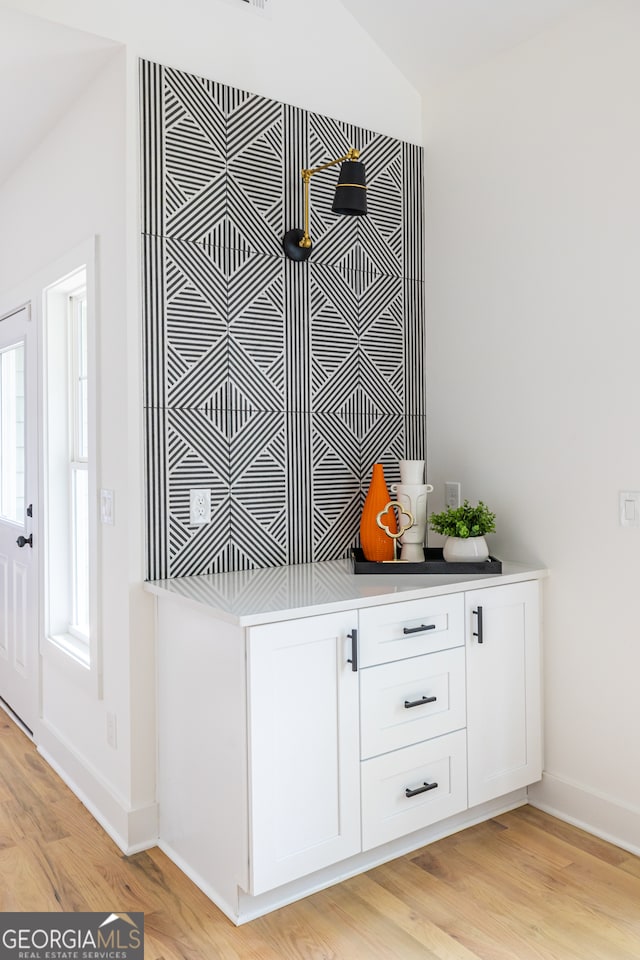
(249, 908)
(131, 829)
(597, 813)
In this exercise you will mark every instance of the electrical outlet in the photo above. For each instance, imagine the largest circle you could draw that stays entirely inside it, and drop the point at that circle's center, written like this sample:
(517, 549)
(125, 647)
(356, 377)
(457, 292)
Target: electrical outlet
(112, 731)
(452, 494)
(200, 506)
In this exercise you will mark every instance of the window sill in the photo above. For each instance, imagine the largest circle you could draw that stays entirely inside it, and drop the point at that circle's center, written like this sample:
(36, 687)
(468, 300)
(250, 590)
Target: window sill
(73, 647)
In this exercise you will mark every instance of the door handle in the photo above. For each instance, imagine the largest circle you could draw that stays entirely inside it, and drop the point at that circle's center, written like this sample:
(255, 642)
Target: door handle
(23, 541)
(478, 613)
(353, 636)
(418, 703)
(423, 789)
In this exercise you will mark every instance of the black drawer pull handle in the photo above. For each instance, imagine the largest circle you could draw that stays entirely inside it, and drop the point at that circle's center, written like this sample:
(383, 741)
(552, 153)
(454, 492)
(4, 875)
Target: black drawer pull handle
(423, 789)
(478, 614)
(418, 703)
(353, 636)
(423, 626)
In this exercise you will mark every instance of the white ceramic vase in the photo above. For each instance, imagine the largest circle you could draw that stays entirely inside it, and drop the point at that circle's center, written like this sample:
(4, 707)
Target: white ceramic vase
(413, 552)
(411, 471)
(413, 498)
(465, 549)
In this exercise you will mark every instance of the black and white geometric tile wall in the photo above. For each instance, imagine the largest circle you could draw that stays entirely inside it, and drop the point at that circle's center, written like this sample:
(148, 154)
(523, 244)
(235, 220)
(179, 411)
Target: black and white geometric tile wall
(275, 384)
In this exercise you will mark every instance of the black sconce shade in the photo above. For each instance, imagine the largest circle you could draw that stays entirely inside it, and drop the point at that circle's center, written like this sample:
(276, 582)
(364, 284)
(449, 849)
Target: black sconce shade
(350, 198)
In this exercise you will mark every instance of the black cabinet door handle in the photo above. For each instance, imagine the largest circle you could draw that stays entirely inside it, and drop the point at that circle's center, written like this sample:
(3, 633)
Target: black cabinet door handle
(423, 789)
(420, 629)
(23, 541)
(418, 703)
(478, 613)
(353, 636)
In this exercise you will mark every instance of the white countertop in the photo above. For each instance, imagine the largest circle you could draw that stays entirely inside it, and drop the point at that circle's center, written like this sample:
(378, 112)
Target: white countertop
(250, 597)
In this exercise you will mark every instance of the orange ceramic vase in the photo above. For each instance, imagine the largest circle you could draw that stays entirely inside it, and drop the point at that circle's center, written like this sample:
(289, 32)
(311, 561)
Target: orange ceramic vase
(376, 545)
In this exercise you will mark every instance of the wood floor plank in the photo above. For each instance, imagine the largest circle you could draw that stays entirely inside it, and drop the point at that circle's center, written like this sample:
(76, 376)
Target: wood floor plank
(601, 849)
(371, 933)
(631, 865)
(569, 917)
(368, 888)
(586, 881)
(523, 886)
(24, 886)
(485, 932)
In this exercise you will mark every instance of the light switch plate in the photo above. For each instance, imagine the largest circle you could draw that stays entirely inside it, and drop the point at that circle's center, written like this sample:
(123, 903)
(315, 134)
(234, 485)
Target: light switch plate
(107, 507)
(452, 494)
(629, 508)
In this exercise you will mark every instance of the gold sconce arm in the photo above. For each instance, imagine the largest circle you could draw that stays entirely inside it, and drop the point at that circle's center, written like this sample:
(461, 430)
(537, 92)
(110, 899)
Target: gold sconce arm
(306, 177)
(297, 243)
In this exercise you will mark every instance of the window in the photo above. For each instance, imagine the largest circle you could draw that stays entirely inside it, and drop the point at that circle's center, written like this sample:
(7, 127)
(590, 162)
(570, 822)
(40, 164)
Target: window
(70, 541)
(79, 464)
(12, 433)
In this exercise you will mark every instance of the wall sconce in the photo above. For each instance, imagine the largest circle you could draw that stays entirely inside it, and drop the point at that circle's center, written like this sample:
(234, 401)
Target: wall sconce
(350, 200)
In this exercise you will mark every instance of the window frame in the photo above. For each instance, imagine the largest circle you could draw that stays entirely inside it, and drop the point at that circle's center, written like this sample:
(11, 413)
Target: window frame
(63, 643)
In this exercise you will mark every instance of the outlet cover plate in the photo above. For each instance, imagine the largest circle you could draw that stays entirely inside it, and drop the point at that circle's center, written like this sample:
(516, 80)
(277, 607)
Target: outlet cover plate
(199, 506)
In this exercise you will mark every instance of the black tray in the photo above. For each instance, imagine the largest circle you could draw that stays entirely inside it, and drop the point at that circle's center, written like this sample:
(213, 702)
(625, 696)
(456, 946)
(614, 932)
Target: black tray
(433, 563)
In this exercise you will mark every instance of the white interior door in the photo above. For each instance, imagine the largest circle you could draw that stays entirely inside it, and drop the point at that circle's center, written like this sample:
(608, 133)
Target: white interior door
(18, 502)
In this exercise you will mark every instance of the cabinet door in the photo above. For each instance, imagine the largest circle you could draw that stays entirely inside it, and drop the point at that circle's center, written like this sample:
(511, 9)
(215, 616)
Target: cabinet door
(503, 689)
(303, 748)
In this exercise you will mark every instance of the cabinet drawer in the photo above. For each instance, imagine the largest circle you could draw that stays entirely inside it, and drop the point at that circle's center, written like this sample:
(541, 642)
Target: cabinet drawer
(409, 629)
(411, 700)
(387, 811)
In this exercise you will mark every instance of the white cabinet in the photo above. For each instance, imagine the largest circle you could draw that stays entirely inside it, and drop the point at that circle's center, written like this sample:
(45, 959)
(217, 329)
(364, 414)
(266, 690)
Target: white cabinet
(412, 709)
(503, 689)
(303, 748)
(283, 769)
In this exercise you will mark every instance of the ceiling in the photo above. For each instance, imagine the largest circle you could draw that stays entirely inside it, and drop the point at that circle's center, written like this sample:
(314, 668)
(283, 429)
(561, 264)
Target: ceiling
(432, 40)
(45, 66)
(43, 69)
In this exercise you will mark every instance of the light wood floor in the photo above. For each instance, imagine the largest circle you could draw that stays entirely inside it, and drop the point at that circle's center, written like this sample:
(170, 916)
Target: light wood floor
(521, 887)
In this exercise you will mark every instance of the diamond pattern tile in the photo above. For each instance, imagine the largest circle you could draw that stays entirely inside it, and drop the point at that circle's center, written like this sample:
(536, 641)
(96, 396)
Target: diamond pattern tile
(272, 383)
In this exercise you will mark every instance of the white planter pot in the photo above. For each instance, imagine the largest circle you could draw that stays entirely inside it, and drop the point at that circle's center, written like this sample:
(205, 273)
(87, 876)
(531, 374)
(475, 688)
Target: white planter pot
(465, 549)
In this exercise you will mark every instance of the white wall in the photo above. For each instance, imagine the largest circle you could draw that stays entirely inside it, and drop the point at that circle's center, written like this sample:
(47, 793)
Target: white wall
(83, 180)
(72, 188)
(533, 252)
(313, 55)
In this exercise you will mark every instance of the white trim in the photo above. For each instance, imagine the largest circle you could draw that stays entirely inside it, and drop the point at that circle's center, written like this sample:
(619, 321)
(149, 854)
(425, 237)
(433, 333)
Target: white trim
(132, 829)
(592, 811)
(16, 310)
(62, 277)
(250, 908)
(76, 647)
(19, 722)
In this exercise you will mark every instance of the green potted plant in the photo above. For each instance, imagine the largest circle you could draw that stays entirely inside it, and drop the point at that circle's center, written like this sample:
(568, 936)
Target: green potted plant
(465, 528)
